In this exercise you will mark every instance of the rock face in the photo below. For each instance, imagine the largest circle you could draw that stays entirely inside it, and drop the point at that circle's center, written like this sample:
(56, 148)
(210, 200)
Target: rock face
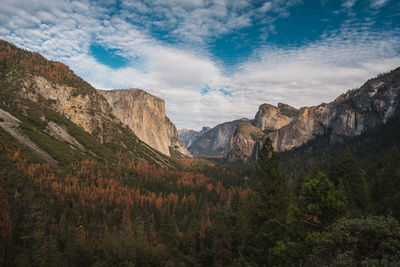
(220, 140)
(189, 136)
(55, 100)
(270, 117)
(215, 142)
(247, 139)
(88, 109)
(245, 143)
(145, 116)
(349, 115)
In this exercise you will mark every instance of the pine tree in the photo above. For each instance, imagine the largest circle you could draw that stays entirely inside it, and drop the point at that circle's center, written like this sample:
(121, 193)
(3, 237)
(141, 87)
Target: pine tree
(321, 203)
(345, 172)
(167, 228)
(270, 204)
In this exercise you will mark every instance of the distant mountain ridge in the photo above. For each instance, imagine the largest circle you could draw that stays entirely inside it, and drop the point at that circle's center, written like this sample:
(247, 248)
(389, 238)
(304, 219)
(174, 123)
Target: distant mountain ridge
(215, 142)
(348, 115)
(189, 136)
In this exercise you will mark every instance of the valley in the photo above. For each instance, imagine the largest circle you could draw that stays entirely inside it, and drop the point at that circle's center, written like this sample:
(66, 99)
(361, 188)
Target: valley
(104, 178)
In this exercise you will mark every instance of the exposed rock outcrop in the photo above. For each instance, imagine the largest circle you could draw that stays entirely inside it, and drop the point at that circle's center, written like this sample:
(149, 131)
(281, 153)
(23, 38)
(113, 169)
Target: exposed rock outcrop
(245, 143)
(247, 139)
(87, 109)
(54, 101)
(189, 136)
(215, 142)
(348, 115)
(145, 116)
(270, 117)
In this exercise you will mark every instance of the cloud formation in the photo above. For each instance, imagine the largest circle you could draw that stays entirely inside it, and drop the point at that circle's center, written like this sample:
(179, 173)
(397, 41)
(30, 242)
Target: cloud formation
(179, 70)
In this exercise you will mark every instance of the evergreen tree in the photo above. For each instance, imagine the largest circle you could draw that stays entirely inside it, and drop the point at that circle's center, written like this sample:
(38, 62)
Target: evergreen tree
(167, 228)
(321, 203)
(387, 186)
(346, 173)
(271, 201)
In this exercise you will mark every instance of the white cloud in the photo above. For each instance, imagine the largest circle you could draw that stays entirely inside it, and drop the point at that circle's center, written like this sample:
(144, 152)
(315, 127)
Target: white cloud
(378, 3)
(349, 3)
(265, 7)
(305, 75)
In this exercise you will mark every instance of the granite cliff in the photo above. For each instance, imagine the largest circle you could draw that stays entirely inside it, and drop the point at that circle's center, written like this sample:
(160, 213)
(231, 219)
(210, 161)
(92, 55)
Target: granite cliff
(221, 140)
(348, 115)
(271, 118)
(245, 143)
(145, 116)
(215, 142)
(189, 136)
(57, 114)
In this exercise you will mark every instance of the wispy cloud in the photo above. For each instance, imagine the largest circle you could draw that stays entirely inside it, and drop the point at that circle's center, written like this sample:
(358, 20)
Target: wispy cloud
(378, 3)
(348, 3)
(177, 72)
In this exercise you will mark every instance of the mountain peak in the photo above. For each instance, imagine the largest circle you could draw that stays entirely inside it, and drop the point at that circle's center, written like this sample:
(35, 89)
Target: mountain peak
(145, 116)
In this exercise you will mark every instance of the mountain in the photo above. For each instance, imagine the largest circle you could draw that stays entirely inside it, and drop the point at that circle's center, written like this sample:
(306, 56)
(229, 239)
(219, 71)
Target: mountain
(352, 113)
(189, 136)
(245, 143)
(57, 114)
(270, 117)
(145, 116)
(221, 140)
(247, 139)
(215, 142)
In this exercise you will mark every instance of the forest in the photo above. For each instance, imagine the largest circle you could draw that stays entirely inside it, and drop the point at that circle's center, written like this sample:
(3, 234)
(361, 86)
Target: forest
(319, 204)
(337, 211)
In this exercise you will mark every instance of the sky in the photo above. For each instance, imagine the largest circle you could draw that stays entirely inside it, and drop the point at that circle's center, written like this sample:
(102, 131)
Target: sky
(214, 60)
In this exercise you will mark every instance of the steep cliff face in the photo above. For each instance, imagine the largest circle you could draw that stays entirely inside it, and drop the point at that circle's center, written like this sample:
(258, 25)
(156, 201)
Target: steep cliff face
(245, 143)
(215, 142)
(349, 115)
(57, 107)
(87, 109)
(247, 139)
(189, 136)
(270, 117)
(145, 116)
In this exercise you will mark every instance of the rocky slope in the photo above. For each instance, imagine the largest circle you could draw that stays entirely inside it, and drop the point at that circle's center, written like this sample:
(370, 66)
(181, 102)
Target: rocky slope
(145, 116)
(53, 103)
(270, 117)
(215, 142)
(349, 115)
(245, 143)
(247, 139)
(189, 136)
(220, 140)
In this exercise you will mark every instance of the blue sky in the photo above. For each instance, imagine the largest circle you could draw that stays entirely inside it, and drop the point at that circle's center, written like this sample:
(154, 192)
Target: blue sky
(214, 60)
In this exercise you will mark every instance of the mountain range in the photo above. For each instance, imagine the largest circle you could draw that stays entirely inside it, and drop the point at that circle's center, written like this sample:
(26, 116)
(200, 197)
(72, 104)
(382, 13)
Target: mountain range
(93, 177)
(44, 100)
(350, 114)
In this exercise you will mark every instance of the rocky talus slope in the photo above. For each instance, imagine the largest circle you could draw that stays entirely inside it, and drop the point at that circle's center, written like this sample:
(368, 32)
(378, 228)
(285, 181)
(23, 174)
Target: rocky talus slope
(145, 116)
